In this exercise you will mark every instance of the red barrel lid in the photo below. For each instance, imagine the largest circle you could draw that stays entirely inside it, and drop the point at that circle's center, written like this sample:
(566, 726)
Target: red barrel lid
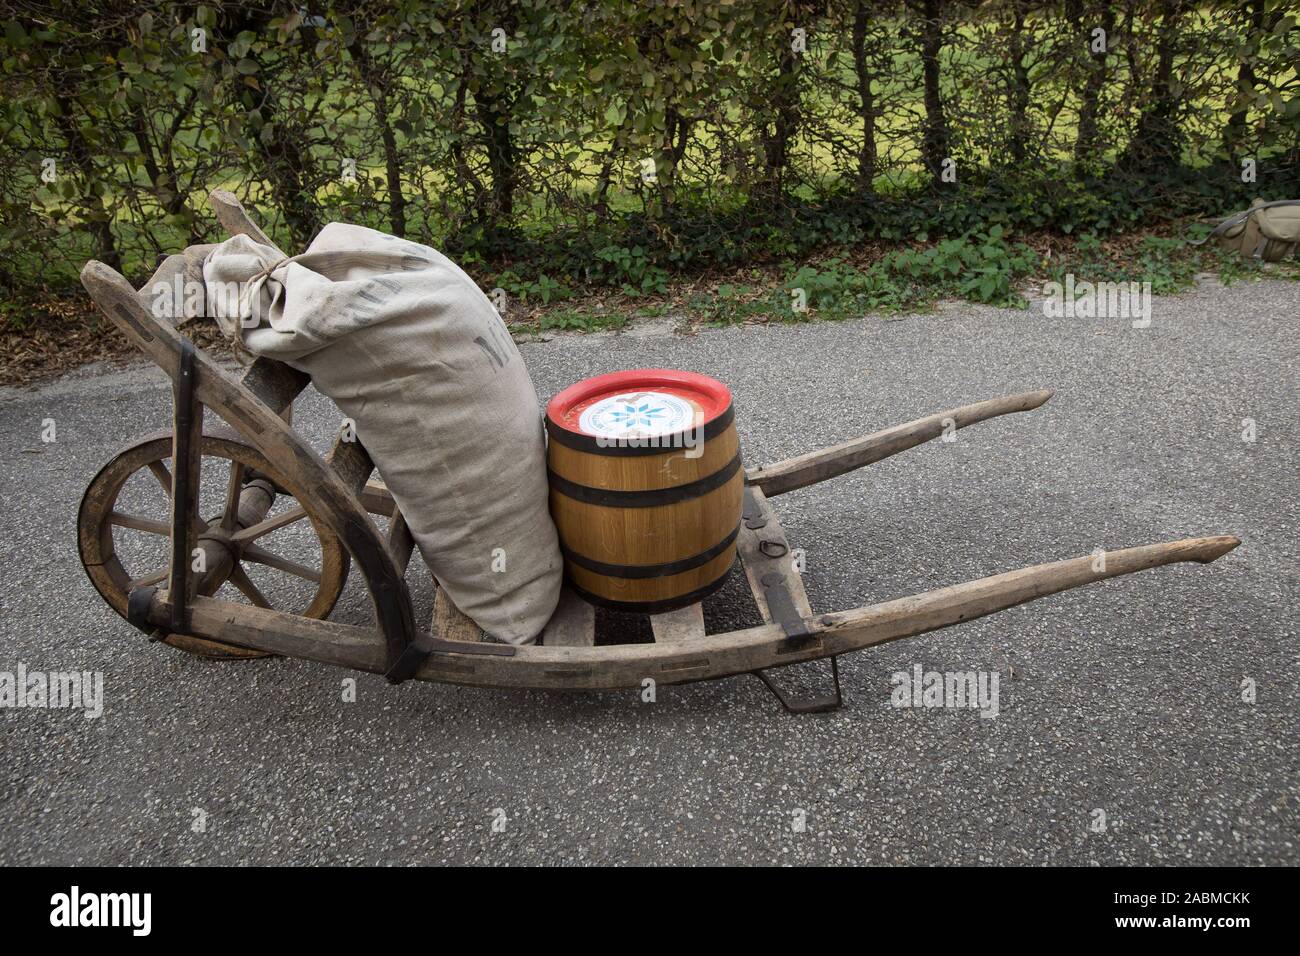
(640, 403)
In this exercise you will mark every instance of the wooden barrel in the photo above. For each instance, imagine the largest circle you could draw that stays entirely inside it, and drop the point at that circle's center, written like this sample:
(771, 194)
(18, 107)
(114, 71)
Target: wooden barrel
(646, 487)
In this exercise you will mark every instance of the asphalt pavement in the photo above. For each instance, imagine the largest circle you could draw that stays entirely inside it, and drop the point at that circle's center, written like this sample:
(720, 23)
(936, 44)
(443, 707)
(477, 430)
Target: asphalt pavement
(1125, 731)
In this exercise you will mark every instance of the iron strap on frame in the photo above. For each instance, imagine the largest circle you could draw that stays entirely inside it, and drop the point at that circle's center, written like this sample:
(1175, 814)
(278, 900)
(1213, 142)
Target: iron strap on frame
(139, 600)
(776, 586)
(182, 450)
(784, 612)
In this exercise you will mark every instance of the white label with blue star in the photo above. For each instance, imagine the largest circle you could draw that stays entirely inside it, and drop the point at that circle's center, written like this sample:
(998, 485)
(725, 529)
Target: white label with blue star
(638, 415)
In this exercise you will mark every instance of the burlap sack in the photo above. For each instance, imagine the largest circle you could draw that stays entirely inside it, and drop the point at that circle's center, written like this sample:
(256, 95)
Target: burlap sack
(412, 351)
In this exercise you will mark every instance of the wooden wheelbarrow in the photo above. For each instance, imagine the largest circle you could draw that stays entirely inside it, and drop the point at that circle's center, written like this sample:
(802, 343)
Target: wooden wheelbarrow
(268, 462)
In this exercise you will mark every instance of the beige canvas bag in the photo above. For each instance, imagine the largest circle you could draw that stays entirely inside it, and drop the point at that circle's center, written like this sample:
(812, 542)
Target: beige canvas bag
(411, 350)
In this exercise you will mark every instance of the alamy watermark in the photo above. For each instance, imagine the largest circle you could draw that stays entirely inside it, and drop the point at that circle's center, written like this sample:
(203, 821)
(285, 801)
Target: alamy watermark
(965, 690)
(53, 690)
(75, 908)
(181, 300)
(691, 439)
(1098, 300)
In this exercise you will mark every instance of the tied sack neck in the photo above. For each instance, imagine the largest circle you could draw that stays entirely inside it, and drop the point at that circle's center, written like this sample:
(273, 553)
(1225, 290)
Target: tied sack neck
(244, 285)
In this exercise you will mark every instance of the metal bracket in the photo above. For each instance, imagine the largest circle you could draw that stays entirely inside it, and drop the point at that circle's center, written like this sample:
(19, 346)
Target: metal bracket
(776, 585)
(408, 662)
(781, 605)
(807, 705)
(783, 611)
(138, 603)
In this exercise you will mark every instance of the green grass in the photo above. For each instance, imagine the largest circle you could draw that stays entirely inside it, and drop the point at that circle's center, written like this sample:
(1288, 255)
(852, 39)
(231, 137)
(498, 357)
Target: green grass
(573, 320)
(986, 268)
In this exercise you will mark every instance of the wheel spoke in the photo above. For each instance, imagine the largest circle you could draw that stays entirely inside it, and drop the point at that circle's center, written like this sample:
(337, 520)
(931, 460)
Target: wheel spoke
(159, 471)
(153, 577)
(240, 579)
(253, 553)
(138, 523)
(262, 528)
(233, 487)
(163, 475)
(150, 525)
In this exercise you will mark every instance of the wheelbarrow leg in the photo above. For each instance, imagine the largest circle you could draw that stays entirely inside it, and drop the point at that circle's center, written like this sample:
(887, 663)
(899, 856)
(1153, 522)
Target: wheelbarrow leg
(808, 705)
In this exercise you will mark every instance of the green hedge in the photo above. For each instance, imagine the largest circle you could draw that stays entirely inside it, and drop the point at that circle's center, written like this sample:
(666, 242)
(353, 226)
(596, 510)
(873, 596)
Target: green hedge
(520, 135)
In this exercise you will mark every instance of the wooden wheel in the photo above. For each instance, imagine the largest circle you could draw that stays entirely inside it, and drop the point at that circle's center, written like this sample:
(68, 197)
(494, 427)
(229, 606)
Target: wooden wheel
(124, 525)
